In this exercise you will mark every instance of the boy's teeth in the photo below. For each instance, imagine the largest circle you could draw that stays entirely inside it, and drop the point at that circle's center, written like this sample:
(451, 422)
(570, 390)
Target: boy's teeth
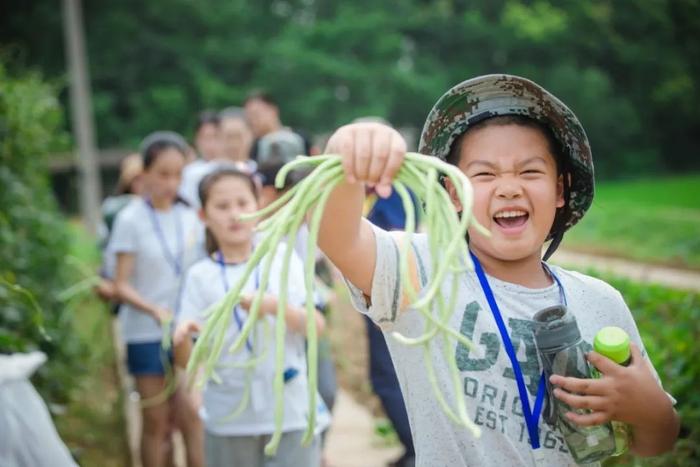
(510, 214)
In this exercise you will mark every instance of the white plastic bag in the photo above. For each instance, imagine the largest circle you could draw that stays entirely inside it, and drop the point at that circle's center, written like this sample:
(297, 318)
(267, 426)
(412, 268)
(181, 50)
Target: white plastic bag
(28, 437)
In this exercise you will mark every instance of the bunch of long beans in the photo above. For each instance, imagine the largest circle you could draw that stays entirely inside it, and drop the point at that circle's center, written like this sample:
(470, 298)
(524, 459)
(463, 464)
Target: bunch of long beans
(449, 256)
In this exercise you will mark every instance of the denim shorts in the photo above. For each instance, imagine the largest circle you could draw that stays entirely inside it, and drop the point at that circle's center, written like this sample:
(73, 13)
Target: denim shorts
(147, 358)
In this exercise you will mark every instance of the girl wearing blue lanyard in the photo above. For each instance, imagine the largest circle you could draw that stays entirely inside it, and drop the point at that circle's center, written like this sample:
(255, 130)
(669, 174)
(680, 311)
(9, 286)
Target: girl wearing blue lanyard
(155, 238)
(239, 440)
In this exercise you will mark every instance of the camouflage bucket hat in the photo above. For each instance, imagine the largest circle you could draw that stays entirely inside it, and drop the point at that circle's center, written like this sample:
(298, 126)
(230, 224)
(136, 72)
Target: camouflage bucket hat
(488, 96)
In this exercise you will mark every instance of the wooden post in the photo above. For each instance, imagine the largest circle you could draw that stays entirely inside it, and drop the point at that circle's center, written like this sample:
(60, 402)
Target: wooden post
(81, 114)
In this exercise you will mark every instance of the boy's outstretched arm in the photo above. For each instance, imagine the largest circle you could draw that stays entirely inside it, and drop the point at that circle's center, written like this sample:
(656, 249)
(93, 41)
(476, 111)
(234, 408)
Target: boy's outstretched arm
(372, 155)
(628, 394)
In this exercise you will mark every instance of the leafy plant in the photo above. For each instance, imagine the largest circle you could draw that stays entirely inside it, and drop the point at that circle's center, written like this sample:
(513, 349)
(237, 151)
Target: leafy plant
(34, 239)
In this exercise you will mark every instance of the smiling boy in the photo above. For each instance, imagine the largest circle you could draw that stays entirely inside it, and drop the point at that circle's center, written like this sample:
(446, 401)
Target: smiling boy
(530, 165)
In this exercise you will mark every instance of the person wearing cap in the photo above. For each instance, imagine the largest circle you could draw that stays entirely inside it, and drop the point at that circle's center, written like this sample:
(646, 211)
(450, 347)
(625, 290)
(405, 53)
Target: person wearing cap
(530, 165)
(155, 239)
(275, 150)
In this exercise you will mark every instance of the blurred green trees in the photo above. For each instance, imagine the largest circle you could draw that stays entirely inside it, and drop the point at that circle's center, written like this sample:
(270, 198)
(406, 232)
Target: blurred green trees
(628, 68)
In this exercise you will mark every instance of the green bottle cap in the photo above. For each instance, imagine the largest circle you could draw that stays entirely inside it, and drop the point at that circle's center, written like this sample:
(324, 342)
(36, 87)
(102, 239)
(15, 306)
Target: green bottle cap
(613, 343)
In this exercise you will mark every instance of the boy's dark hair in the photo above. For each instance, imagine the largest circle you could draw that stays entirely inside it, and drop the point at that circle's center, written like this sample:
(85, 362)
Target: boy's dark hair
(206, 117)
(205, 187)
(556, 233)
(261, 95)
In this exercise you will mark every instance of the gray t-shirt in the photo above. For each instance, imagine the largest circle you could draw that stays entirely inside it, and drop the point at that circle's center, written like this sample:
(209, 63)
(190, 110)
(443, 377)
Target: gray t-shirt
(488, 382)
(154, 274)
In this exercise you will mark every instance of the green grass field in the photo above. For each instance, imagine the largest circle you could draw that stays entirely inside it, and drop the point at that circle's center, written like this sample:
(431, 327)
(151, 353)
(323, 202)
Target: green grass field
(656, 220)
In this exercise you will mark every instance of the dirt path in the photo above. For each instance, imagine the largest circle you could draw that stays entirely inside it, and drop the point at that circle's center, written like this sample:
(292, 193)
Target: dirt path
(640, 272)
(350, 442)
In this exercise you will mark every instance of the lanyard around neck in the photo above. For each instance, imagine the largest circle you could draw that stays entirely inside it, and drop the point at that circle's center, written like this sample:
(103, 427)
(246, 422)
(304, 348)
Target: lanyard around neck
(531, 416)
(175, 259)
(236, 309)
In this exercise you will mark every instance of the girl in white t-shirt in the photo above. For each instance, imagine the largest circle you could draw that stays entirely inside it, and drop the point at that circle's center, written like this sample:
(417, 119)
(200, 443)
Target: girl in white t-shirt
(239, 441)
(155, 238)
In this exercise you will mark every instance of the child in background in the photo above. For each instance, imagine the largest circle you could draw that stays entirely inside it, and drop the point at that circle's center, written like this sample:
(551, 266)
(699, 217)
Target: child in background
(155, 239)
(129, 188)
(530, 166)
(208, 141)
(263, 115)
(208, 145)
(234, 139)
(237, 136)
(239, 441)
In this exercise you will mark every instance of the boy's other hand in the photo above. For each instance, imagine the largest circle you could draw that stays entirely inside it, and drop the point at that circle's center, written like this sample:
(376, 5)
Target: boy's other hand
(628, 394)
(622, 393)
(372, 154)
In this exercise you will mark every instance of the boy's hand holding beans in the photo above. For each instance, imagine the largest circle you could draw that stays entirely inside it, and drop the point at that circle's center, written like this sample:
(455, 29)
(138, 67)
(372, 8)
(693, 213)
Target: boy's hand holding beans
(372, 154)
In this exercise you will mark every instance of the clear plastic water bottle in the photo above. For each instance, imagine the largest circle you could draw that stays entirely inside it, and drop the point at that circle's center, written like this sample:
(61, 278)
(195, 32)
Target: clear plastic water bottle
(562, 353)
(614, 343)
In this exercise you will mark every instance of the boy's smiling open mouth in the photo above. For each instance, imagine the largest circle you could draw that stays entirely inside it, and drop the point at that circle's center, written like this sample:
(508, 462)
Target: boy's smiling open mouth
(511, 220)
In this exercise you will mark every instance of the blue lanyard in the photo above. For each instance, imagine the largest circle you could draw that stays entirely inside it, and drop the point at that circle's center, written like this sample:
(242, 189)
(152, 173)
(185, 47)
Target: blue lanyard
(236, 309)
(175, 259)
(531, 416)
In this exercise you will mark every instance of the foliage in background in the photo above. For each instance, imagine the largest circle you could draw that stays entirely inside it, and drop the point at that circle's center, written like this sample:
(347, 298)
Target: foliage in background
(41, 258)
(627, 68)
(667, 321)
(654, 220)
(34, 239)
